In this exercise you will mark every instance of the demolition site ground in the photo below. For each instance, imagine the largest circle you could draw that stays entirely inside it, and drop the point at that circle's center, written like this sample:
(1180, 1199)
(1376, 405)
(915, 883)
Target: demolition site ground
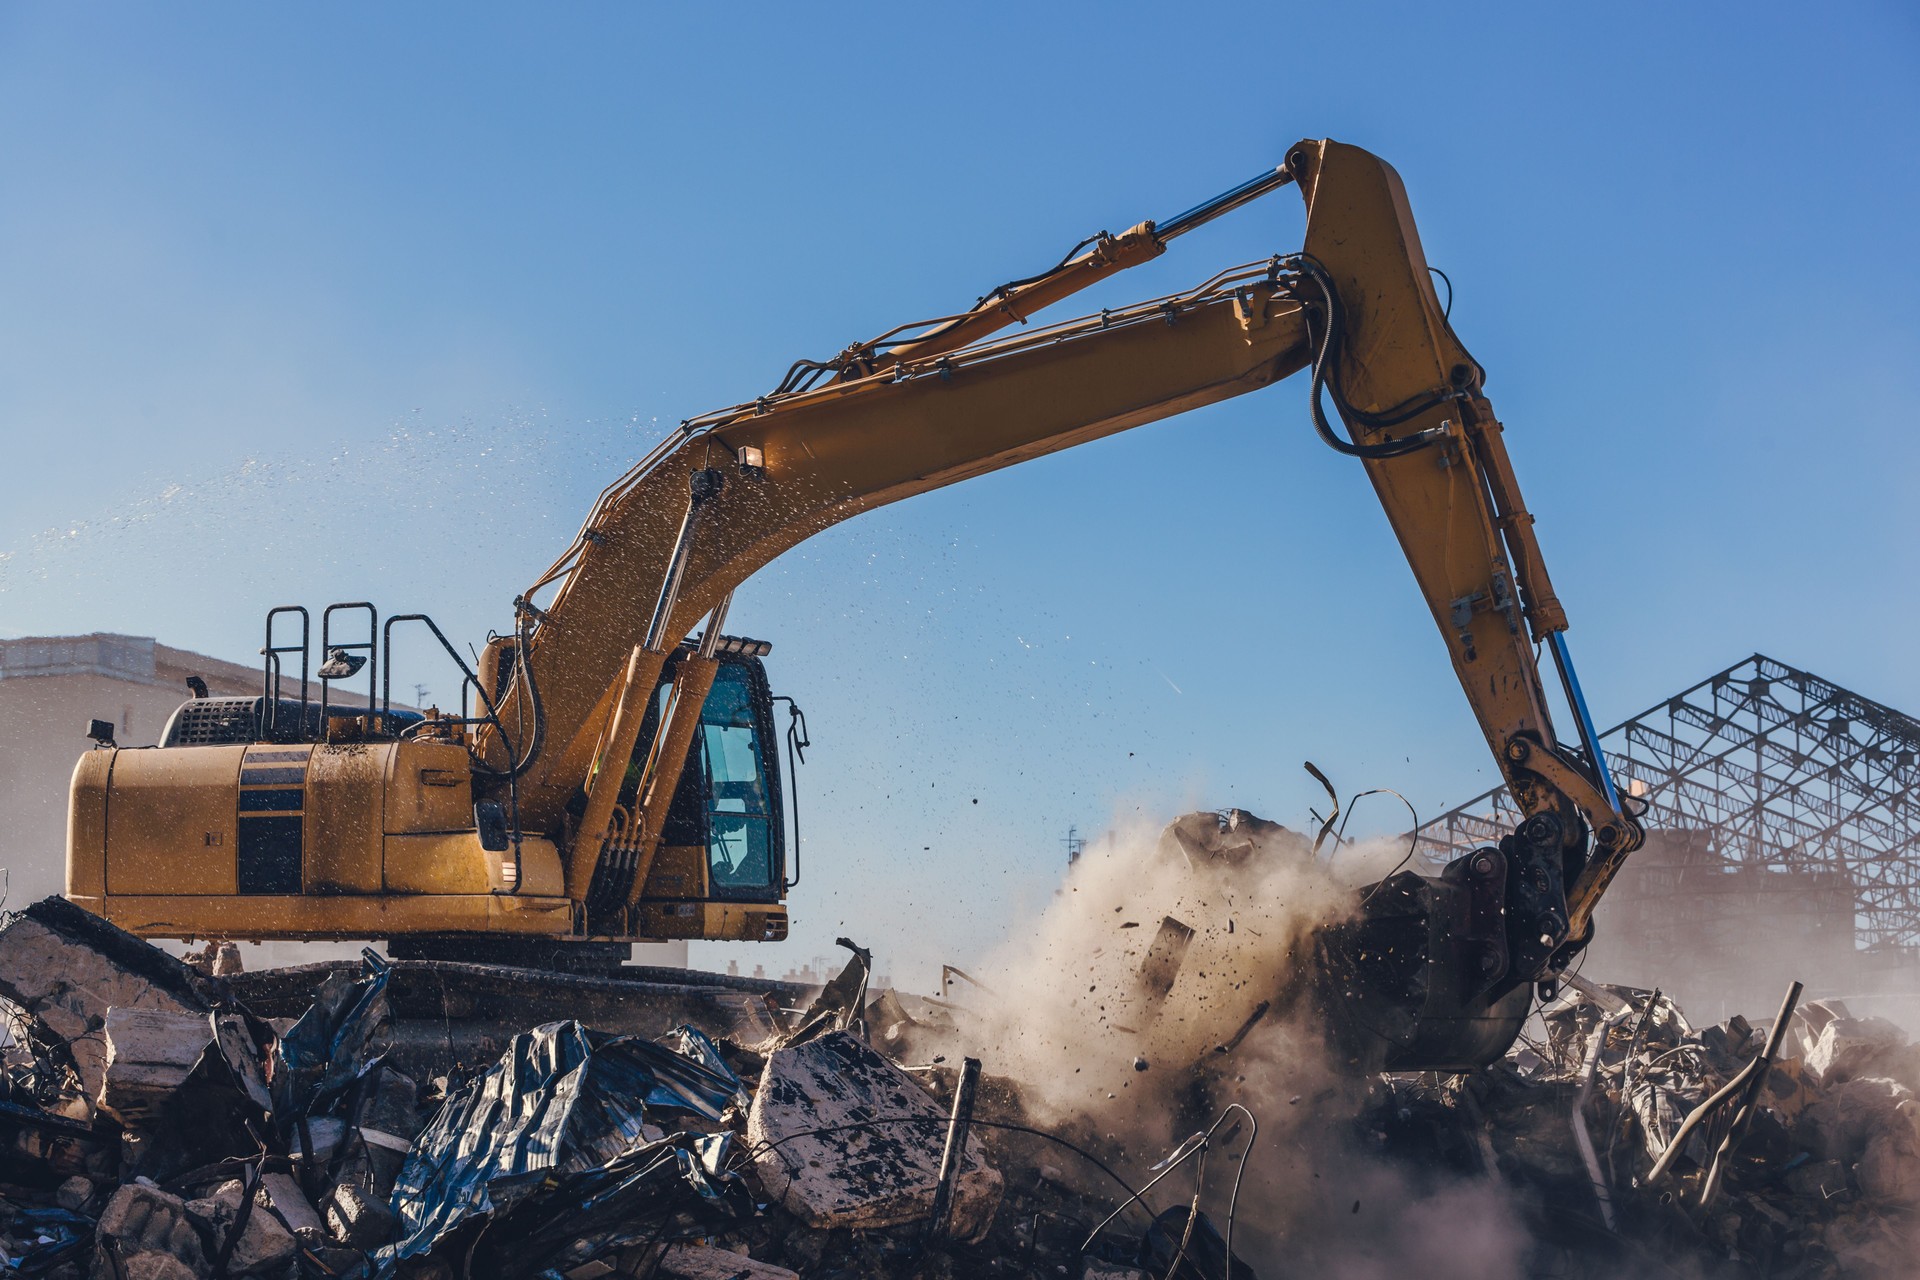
(1122, 1112)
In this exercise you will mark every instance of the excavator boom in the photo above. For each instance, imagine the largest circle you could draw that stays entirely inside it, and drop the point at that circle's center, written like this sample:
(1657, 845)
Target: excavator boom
(924, 413)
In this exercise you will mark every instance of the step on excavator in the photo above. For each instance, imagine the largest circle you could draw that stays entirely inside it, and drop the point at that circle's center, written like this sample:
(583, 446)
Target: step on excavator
(613, 772)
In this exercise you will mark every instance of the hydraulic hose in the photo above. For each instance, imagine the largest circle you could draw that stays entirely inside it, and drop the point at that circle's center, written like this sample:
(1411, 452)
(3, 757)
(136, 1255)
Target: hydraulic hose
(523, 674)
(1325, 363)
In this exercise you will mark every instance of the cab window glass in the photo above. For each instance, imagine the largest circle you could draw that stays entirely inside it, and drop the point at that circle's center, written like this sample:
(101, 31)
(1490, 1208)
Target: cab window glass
(739, 803)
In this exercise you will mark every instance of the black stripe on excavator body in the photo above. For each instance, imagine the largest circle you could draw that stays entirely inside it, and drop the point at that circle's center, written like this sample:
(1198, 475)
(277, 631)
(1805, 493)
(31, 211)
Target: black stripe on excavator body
(252, 777)
(276, 800)
(270, 854)
(271, 838)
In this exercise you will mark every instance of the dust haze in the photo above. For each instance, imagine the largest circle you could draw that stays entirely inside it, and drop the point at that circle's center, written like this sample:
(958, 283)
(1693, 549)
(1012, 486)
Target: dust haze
(1093, 1050)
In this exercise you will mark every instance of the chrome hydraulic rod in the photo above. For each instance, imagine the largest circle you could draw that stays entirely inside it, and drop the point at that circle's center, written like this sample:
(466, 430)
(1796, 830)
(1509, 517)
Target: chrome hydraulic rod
(1225, 202)
(701, 486)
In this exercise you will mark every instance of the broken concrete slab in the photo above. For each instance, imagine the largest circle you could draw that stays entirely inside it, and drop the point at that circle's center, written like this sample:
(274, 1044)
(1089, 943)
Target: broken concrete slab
(859, 1175)
(143, 1219)
(289, 1203)
(357, 1219)
(74, 1193)
(1850, 1047)
(704, 1262)
(149, 1266)
(68, 967)
(150, 1054)
(265, 1247)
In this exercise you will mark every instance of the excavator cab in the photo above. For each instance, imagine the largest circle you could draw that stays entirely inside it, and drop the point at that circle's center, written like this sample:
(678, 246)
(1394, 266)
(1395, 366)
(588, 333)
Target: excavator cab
(724, 833)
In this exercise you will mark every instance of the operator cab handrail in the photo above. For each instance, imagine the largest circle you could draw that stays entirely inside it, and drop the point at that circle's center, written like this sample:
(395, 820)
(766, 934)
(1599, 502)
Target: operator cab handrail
(270, 667)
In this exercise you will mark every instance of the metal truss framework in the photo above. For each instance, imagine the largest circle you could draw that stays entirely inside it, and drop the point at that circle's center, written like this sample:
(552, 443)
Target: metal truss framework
(1782, 771)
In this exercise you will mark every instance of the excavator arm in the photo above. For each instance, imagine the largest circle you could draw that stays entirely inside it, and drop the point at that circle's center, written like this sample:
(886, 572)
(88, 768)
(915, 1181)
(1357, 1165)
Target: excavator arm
(930, 405)
(556, 812)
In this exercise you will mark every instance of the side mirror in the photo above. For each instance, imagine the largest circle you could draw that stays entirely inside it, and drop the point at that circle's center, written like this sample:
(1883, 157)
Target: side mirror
(101, 731)
(491, 821)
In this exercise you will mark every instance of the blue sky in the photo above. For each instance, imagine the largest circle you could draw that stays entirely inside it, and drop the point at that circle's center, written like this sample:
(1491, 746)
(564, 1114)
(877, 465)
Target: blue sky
(301, 305)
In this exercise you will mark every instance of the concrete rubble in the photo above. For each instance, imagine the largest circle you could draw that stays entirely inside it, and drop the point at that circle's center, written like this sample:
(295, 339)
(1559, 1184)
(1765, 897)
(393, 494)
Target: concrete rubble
(1820, 1179)
(154, 1127)
(832, 1170)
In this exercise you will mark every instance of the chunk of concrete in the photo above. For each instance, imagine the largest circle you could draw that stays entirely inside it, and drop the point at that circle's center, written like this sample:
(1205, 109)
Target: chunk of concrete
(1818, 1180)
(1845, 1118)
(1889, 1168)
(265, 1247)
(150, 1054)
(1094, 1269)
(143, 1219)
(357, 1219)
(1851, 1047)
(68, 967)
(857, 1175)
(237, 1049)
(290, 1204)
(703, 1262)
(73, 1194)
(147, 1266)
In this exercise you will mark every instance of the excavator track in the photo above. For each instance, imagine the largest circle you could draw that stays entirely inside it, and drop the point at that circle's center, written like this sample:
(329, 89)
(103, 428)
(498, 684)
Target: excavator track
(451, 1016)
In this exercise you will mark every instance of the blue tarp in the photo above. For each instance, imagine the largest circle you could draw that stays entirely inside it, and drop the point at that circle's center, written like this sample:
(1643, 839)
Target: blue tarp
(559, 1117)
(338, 1040)
(668, 1190)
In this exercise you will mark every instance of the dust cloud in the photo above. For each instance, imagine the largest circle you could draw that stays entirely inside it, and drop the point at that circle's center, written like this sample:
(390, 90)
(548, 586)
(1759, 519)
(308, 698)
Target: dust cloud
(1074, 1014)
(1095, 1049)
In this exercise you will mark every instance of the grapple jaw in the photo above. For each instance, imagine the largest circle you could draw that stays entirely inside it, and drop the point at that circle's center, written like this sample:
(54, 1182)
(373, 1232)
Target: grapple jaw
(1437, 973)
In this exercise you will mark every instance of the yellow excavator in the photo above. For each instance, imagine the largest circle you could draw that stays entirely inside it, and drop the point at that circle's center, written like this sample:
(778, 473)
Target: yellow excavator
(613, 776)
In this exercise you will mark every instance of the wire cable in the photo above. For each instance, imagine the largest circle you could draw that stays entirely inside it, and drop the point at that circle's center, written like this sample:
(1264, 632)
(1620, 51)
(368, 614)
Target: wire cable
(1082, 1152)
(1447, 313)
(1186, 1150)
(1181, 1154)
(1002, 291)
(1193, 1215)
(1233, 1200)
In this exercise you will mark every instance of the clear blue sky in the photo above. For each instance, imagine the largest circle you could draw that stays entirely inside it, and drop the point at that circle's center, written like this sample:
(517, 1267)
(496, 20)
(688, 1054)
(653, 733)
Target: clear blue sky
(357, 301)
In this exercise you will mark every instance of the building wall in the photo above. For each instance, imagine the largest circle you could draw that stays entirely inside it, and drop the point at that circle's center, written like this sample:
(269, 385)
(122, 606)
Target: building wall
(1723, 938)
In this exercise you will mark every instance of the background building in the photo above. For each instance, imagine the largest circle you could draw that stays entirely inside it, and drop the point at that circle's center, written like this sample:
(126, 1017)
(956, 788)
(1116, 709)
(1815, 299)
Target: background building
(1783, 841)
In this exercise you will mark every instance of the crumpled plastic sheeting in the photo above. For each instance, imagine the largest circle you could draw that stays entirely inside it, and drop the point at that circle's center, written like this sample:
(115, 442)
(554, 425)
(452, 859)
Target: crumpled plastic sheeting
(1661, 1107)
(69, 1235)
(335, 1042)
(664, 1191)
(562, 1101)
(691, 1042)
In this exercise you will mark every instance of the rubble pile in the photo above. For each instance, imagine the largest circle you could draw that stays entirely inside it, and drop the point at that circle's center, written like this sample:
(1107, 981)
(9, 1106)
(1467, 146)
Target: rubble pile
(1633, 1141)
(154, 1128)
